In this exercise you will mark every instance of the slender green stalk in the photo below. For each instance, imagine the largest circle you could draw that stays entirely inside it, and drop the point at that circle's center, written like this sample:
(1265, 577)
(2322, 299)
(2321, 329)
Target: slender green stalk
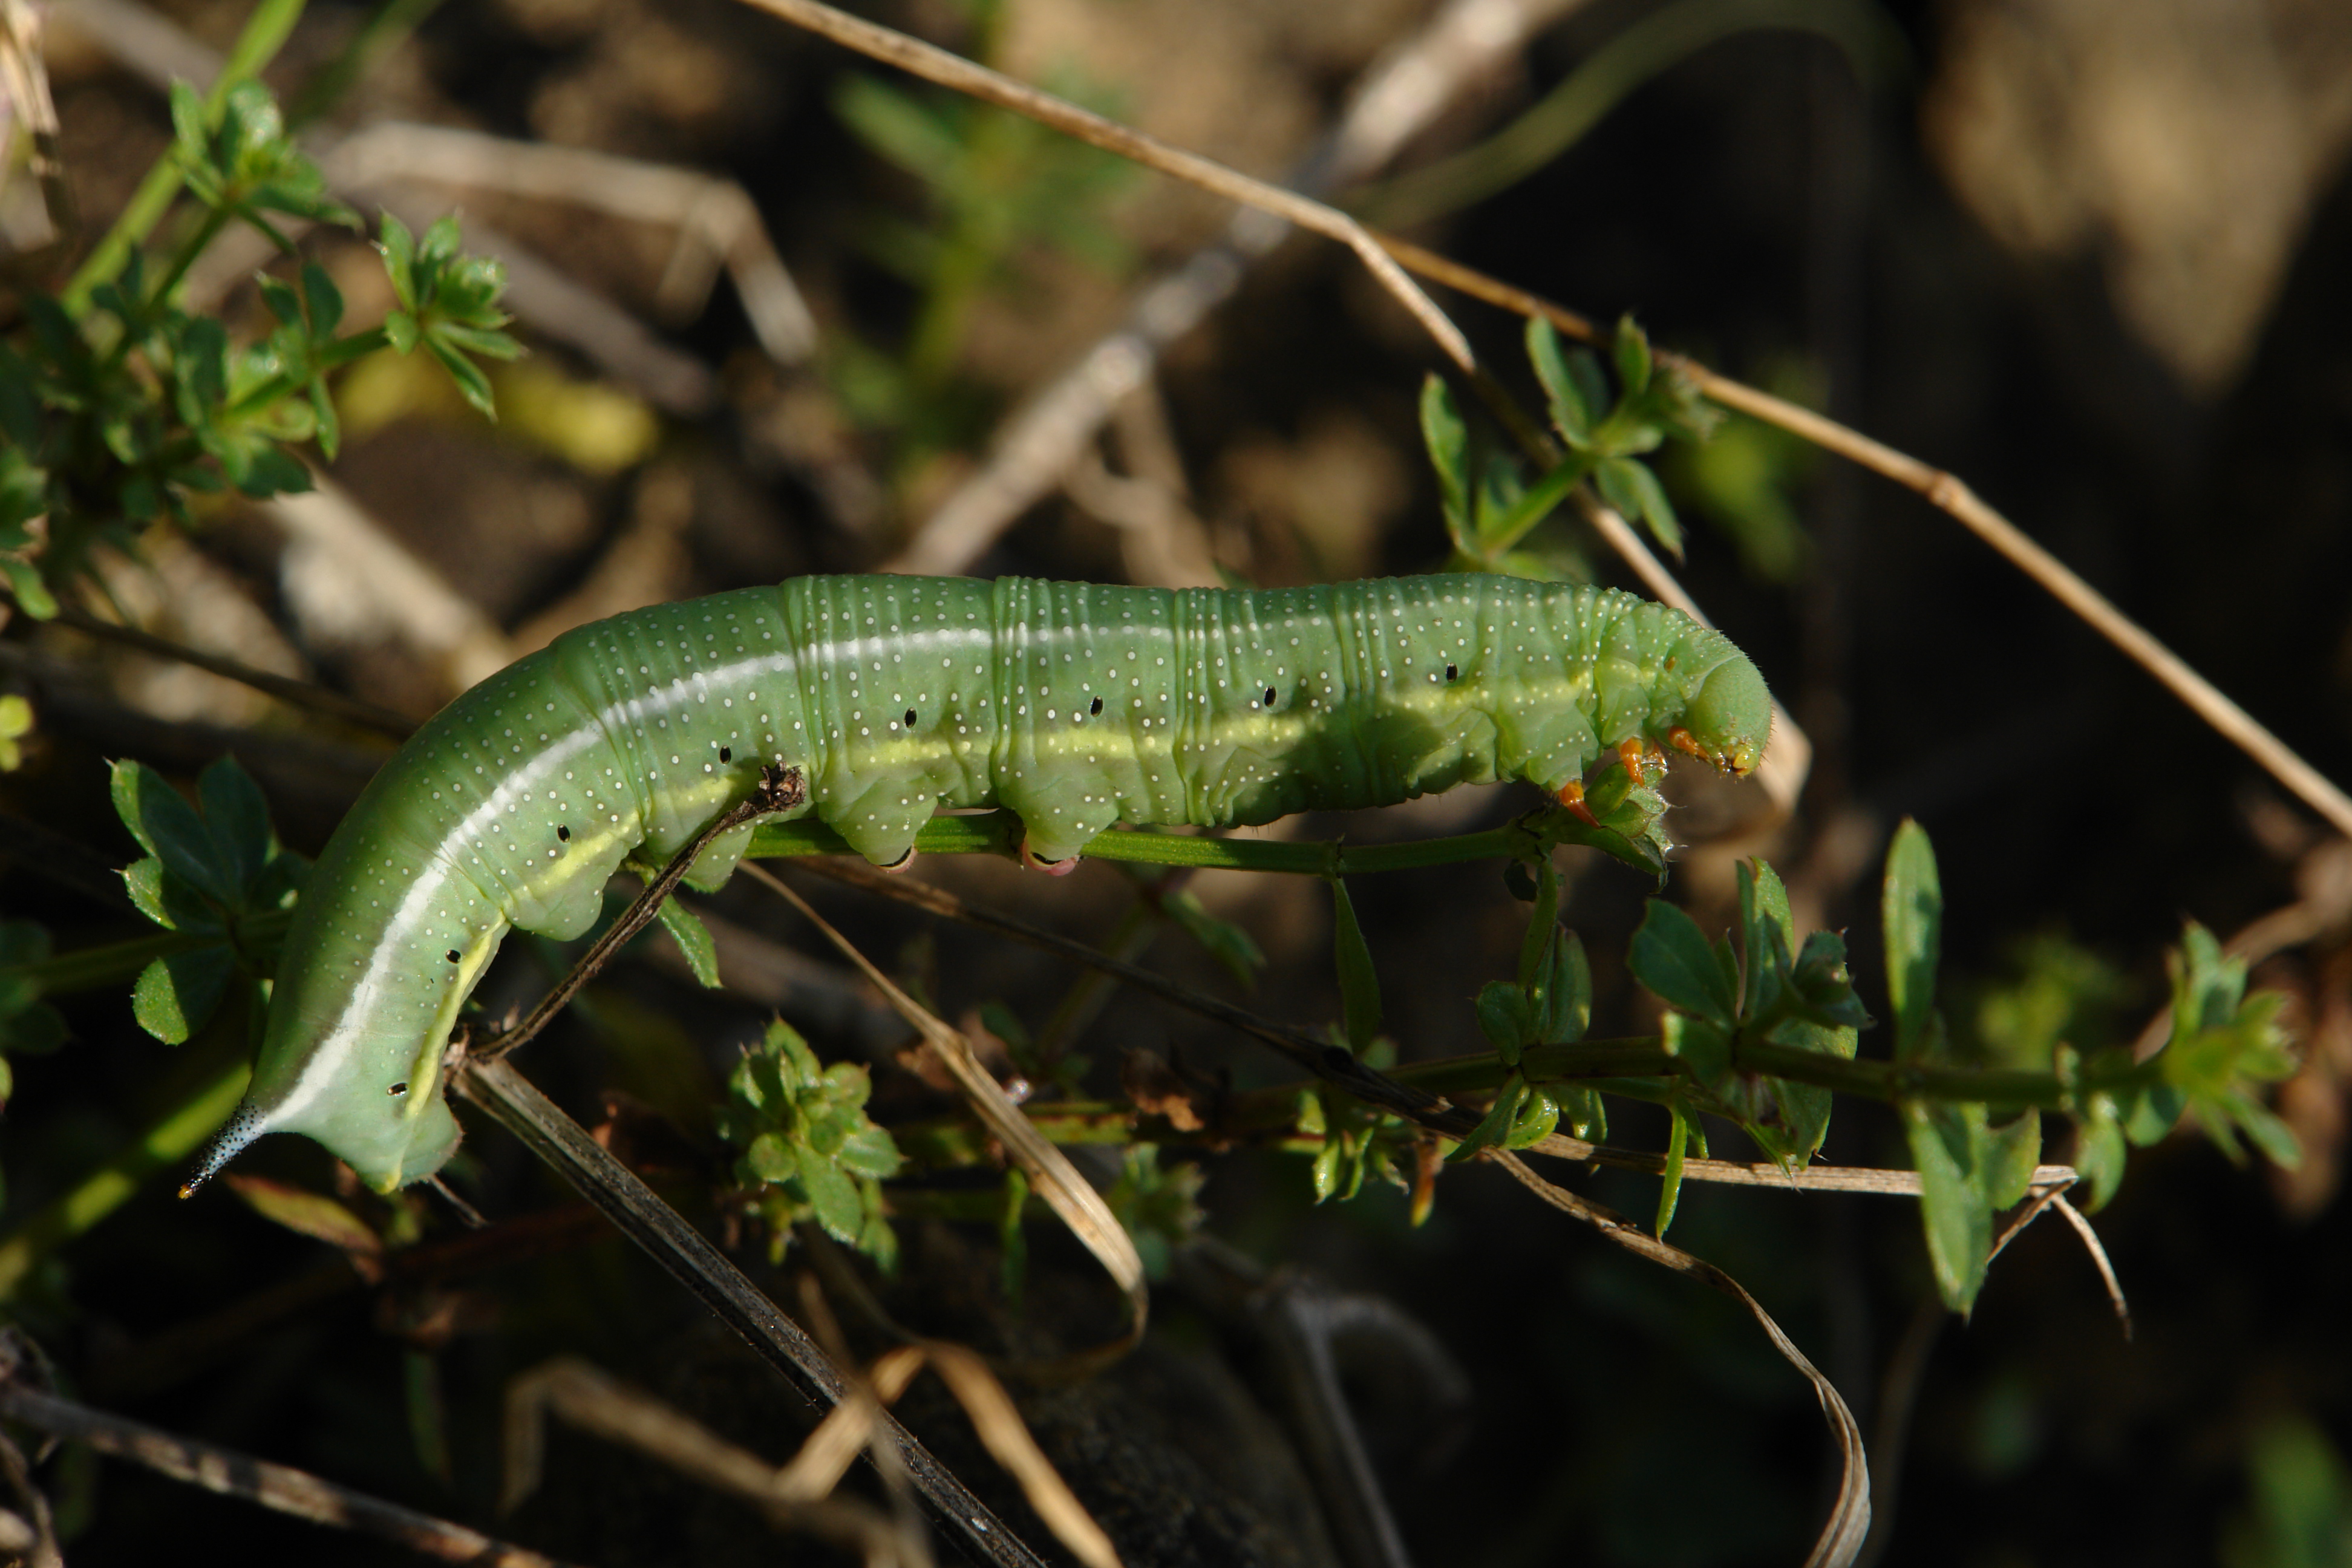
(167, 1143)
(999, 834)
(341, 352)
(265, 33)
(393, 23)
(119, 963)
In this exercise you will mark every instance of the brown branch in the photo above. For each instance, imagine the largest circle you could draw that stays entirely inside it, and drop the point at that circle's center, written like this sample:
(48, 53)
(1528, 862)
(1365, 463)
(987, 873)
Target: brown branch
(294, 693)
(779, 789)
(1849, 1522)
(936, 65)
(278, 1487)
(689, 1257)
(1948, 492)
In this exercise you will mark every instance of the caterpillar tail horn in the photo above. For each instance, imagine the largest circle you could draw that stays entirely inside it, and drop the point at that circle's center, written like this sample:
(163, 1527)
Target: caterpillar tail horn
(244, 1124)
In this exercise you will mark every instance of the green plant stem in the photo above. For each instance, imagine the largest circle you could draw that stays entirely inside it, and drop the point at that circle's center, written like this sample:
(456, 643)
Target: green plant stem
(119, 963)
(195, 244)
(1643, 1058)
(1537, 504)
(999, 834)
(104, 1190)
(329, 356)
(265, 33)
(393, 23)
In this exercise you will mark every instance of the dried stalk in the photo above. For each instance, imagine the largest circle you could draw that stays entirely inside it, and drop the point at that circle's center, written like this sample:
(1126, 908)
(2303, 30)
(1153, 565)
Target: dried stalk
(1948, 492)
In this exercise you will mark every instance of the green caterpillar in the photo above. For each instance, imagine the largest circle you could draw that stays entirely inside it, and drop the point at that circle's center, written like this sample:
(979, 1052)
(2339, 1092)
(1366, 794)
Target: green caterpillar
(1075, 706)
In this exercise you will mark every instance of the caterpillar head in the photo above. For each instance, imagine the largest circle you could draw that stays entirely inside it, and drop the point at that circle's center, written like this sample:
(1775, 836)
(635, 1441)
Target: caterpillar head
(1729, 720)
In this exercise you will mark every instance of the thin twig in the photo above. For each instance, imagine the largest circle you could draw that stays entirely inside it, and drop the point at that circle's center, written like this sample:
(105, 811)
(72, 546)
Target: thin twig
(779, 789)
(702, 1268)
(587, 1397)
(294, 693)
(278, 1487)
(936, 65)
(1849, 1522)
(709, 213)
(1394, 1093)
(2098, 1251)
(1398, 98)
(942, 547)
(1946, 491)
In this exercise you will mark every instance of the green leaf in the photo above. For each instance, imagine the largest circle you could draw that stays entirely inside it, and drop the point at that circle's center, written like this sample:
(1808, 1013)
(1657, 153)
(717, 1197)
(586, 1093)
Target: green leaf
(1820, 988)
(1803, 1109)
(1011, 1244)
(871, 1151)
(1359, 981)
(1325, 1171)
(322, 300)
(1448, 439)
(1669, 1189)
(693, 939)
(2099, 1153)
(1634, 490)
(1542, 921)
(176, 994)
(1947, 1148)
(834, 1197)
(1914, 915)
(1671, 957)
(307, 1212)
(1564, 998)
(32, 594)
(1768, 934)
(770, 1157)
(400, 330)
(1227, 942)
(398, 249)
(1631, 347)
(472, 385)
(1495, 1125)
(1506, 1018)
(238, 820)
(1707, 1048)
(2012, 1153)
(168, 827)
(1537, 1115)
(1571, 414)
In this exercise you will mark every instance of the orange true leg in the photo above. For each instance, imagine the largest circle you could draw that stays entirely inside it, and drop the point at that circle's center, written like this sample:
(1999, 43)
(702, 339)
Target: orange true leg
(1630, 754)
(1683, 740)
(1571, 795)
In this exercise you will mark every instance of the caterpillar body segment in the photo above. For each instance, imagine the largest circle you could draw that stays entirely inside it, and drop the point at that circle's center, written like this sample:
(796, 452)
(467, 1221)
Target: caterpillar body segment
(1074, 705)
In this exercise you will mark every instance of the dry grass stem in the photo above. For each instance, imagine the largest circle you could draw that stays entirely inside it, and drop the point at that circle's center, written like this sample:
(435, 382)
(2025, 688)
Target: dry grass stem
(1049, 1171)
(1841, 1538)
(779, 789)
(1019, 475)
(716, 222)
(1314, 1054)
(1401, 96)
(293, 693)
(689, 1257)
(275, 1487)
(158, 51)
(936, 65)
(1001, 1428)
(585, 1397)
(2098, 1251)
(350, 581)
(25, 93)
(1949, 493)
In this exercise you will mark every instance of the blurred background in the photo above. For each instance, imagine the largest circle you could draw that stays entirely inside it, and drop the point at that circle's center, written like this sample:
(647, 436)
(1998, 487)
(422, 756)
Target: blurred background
(787, 311)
